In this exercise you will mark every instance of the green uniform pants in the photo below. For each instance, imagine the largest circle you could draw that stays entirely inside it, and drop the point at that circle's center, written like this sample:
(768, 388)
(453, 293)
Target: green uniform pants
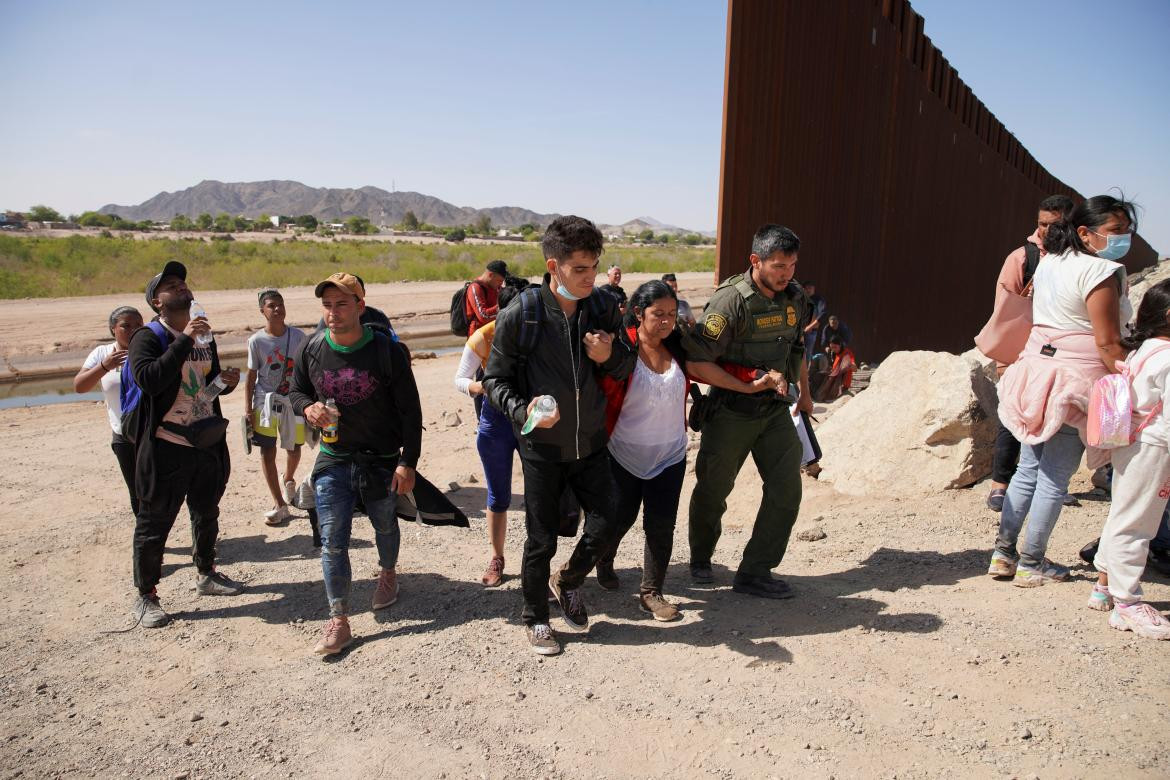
(727, 439)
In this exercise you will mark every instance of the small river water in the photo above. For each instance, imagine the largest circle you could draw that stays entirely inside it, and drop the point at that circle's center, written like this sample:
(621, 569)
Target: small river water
(44, 392)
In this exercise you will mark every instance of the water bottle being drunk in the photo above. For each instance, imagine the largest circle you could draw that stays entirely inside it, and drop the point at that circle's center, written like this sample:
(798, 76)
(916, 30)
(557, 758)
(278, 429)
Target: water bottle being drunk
(544, 408)
(329, 432)
(203, 339)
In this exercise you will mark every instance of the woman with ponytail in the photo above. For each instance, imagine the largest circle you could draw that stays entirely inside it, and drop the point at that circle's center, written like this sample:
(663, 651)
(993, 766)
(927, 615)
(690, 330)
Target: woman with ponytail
(1078, 310)
(1141, 476)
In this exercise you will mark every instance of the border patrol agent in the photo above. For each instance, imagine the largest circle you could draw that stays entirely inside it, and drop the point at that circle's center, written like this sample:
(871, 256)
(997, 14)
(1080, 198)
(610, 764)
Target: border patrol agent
(752, 325)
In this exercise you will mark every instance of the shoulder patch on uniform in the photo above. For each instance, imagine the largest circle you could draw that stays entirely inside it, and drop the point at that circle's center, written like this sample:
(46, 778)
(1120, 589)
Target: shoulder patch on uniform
(791, 315)
(713, 325)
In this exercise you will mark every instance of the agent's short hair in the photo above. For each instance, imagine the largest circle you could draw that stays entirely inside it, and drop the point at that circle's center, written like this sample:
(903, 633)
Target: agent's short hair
(771, 239)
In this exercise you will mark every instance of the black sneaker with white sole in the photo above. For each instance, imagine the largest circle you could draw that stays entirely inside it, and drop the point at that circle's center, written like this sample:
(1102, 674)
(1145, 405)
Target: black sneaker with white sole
(571, 604)
(542, 640)
(217, 584)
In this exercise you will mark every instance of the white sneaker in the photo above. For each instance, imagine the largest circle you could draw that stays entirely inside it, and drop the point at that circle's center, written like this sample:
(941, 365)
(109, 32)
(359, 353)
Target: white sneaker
(1140, 618)
(305, 497)
(290, 492)
(277, 516)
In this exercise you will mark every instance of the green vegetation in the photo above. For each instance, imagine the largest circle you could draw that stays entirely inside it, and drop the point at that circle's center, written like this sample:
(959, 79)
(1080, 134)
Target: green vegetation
(93, 265)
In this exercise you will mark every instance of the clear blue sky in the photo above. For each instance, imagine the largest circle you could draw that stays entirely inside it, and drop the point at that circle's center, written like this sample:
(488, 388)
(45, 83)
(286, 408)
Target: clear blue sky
(607, 109)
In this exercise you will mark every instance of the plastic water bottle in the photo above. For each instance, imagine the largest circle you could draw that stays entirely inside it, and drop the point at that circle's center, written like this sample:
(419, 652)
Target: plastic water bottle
(197, 310)
(544, 408)
(329, 432)
(213, 388)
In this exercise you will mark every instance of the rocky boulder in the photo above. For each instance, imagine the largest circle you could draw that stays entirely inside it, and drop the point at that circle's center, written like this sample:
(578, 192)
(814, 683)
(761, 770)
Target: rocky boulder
(1145, 279)
(926, 423)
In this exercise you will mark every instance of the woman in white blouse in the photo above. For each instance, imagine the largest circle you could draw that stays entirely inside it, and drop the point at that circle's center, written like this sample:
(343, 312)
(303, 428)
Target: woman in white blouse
(646, 415)
(1079, 308)
(104, 366)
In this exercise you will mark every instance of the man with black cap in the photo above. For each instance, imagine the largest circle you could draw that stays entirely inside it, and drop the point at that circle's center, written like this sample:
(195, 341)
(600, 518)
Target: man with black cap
(355, 383)
(179, 433)
(481, 305)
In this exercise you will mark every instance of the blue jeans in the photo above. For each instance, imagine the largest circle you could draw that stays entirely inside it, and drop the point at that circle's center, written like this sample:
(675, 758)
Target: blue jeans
(1162, 540)
(337, 491)
(1037, 492)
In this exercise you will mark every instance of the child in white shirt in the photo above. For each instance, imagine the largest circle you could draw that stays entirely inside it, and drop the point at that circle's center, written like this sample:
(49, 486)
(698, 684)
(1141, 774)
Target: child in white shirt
(1141, 477)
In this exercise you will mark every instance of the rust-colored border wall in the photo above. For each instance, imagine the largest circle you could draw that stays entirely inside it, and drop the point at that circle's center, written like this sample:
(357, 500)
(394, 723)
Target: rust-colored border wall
(842, 121)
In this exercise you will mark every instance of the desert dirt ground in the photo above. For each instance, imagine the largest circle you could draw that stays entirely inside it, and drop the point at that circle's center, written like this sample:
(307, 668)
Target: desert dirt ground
(898, 657)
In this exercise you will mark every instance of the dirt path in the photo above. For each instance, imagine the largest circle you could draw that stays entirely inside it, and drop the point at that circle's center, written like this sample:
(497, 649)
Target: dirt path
(898, 657)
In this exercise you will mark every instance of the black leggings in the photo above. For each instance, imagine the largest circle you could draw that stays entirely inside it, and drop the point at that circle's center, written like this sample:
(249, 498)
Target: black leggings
(657, 497)
(1007, 453)
(124, 452)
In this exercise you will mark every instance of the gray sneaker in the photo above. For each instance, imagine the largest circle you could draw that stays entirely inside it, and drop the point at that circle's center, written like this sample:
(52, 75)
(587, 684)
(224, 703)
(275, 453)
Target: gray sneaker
(542, 640)
(1047, 573)
(217, 584)
(148, 612)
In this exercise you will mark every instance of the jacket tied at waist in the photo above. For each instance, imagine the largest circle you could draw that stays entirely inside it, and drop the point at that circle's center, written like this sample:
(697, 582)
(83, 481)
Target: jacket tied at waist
(1048, 387)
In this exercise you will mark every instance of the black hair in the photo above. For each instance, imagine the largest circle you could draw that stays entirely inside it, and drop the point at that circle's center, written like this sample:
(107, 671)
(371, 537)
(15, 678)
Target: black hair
(771, 239)
(507, 295)
(669, 278)
(643, 297)
(566, 235)
(515, 282)
(837, 340)
(264, 295)
(1151, 320)
(121, 312)
(1091, 213)
(1058, 204)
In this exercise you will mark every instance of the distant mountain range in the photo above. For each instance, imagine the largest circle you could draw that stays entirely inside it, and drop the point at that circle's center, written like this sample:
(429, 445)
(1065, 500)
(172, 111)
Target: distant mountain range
(291, 198)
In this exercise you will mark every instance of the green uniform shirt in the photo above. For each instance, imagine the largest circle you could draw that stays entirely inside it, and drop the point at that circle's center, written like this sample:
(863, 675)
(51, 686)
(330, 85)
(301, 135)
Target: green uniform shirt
(741, 325)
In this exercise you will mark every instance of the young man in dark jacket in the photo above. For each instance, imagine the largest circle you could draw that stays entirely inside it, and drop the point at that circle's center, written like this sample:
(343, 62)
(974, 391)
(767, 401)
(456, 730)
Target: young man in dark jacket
(575, 343)
(372, 452)
(173, 462)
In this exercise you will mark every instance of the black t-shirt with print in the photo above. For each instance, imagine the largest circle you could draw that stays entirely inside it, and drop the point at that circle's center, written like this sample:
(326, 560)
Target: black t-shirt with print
(380, 415)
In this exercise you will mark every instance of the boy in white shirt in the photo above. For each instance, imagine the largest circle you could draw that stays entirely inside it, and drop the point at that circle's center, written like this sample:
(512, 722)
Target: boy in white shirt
(270, 368)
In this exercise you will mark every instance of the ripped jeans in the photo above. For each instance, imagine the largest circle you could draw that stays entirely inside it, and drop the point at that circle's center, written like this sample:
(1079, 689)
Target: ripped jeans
(337, 491)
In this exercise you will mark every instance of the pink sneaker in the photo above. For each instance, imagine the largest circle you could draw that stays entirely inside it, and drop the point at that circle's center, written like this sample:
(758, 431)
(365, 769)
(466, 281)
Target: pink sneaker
(387, 591)
(336, 638)
(1100, 600)
(1140, 618)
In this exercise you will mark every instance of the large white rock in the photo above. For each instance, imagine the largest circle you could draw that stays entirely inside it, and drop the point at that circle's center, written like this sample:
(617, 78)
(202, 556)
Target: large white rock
(926, 423)
(1145, 279)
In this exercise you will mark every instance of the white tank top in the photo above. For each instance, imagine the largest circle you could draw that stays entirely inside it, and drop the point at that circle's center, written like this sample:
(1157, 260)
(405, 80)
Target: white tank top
(651, 433)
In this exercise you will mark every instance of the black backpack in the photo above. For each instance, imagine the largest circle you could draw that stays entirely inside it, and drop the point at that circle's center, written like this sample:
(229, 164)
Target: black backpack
(459, 321)
(531, 317)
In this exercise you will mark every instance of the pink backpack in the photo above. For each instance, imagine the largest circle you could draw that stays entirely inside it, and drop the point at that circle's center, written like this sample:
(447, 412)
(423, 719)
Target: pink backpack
(1111, 408)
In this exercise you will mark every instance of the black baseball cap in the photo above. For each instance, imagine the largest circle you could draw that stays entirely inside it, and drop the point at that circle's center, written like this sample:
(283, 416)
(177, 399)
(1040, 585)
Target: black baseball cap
(172, 268)
(498, 267)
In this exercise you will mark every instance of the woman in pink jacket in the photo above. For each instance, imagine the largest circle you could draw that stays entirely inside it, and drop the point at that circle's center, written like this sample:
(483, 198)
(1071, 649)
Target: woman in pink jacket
(1078, 310)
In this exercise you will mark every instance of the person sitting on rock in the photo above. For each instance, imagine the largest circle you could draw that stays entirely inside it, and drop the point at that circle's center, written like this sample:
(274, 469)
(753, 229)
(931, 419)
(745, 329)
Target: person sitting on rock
(839, 363)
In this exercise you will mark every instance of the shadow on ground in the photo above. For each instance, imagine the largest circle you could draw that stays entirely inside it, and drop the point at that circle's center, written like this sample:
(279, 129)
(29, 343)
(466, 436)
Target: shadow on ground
(713, 616)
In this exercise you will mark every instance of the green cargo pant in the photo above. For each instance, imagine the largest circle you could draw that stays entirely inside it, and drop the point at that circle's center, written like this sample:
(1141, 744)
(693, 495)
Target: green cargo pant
(727, 439)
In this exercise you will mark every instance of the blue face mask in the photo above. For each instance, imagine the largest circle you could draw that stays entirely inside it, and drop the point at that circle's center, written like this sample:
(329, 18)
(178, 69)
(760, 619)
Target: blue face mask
(1115, 247)
(564, 293)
